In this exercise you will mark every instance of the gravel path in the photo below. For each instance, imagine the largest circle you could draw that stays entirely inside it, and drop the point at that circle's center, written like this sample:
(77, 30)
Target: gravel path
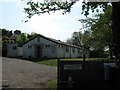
(18, 73)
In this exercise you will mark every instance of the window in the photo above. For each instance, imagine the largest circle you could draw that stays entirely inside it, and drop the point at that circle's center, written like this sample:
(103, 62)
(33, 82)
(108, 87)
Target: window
(38, 39)
(73, 50)
(47, 45)
(14, 47)
(59, 46)
(29, 46)
(67, 49)
(78, 51)
(53, 49)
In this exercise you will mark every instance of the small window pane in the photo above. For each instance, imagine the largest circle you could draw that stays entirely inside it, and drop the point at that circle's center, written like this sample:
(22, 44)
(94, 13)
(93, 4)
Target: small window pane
(67, 49)
(38, 39)
(73, 50)
(29, 46)
(78, 51)
(58, 45)
(14, 47)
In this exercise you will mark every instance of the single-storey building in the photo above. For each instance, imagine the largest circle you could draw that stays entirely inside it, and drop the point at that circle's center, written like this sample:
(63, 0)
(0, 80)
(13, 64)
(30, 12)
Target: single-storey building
(14, 51)
(44, 47)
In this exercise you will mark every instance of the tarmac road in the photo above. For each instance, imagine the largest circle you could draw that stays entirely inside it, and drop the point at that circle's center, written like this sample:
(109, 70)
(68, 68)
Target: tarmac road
(17, 73)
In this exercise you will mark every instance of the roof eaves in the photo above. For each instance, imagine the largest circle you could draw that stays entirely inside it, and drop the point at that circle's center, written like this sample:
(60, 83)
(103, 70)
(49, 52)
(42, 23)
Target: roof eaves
(53, 40)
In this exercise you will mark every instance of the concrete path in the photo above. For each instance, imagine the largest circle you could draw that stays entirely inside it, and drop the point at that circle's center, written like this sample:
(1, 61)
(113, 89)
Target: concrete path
(18, 73)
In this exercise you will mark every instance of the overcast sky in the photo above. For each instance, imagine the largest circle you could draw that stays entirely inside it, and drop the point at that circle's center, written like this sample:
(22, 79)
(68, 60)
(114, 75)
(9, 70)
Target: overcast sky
(55, 25)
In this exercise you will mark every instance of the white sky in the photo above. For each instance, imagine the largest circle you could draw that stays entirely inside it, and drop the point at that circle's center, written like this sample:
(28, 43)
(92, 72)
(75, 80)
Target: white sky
(55, 25)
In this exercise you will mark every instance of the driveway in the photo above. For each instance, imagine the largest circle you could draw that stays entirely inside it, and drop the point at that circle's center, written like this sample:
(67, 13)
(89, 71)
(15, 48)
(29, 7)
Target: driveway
(18, 73)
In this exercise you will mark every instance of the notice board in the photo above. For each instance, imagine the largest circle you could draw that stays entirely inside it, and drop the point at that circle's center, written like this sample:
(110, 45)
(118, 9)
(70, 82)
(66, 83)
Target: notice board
(80, 71)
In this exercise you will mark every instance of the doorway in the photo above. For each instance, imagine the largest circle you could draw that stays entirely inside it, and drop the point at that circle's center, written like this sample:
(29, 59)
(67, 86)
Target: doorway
(38, 51)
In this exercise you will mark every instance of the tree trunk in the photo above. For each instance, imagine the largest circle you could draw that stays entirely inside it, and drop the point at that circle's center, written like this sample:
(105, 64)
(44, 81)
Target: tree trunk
(116, 28)
(111, 52)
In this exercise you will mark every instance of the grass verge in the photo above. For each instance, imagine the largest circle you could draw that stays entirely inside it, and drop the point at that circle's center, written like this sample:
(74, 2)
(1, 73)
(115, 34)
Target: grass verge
(51, 84)
(53, 62)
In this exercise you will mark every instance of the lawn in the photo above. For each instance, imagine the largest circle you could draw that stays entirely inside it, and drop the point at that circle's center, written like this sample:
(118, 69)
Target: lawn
(53, 62)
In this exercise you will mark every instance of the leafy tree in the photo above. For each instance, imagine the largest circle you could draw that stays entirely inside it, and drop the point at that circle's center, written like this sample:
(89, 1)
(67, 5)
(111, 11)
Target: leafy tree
(33, 34)
(75, 39)
(18, 32)
(115, 23)
(98, 32)
(47, 7)
(22, 39)
(101, 30)
(5, 41)
(80, 39)
(10, 33)
(87, 40)
(4, 32)
(51, 6)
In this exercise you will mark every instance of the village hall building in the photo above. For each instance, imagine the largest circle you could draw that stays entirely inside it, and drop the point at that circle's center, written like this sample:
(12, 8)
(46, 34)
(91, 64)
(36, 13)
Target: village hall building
(44, 47)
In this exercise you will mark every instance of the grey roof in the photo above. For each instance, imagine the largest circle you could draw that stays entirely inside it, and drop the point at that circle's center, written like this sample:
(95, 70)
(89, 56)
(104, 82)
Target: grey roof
(55, 41)
(14, 36)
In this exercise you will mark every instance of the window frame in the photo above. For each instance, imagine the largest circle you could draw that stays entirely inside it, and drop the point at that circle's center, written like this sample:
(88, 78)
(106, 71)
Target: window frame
(38, 39)
(67, 49)
(14, 47)
(29, 46)
(78, 50)
(73, 50)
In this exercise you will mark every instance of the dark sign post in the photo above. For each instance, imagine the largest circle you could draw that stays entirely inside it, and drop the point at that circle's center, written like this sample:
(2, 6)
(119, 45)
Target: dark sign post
(84, 57)
(58, 74)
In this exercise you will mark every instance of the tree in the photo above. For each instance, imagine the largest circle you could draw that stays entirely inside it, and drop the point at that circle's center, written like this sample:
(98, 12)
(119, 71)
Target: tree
(80, 39)
(101, 30)
(98, 32)
(47, 7)
(33, 34)
(10, 33)
(40, 8)
(4, 32)
(18, 32)
(51, 6)
(5, 41)
(22, 39)
(115, 22)
(75, 39)
(87, 40)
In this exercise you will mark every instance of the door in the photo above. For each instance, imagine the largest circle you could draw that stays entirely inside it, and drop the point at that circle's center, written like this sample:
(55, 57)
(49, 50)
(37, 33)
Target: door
(38, 51)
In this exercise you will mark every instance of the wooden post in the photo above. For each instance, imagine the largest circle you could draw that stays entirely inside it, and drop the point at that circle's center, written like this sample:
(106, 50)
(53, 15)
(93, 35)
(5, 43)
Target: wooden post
(84, 57)
(58, 72)
(84, 63)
